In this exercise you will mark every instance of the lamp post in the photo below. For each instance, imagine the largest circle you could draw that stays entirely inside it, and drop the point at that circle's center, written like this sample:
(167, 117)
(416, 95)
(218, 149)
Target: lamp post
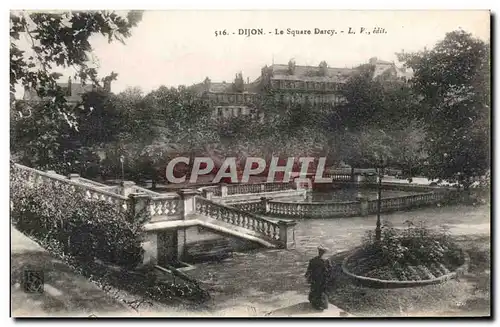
(122, 160)
(378, 229)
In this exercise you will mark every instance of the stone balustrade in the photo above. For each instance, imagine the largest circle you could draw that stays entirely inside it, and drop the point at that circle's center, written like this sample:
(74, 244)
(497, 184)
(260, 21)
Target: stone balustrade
(35, 177)
(361, 207)
(243, 189)
(166, 207)
(313, 210)
(238, 189)
(407, 202)
(87, 181)
(347, 178)
(275, 232)
(255, 207)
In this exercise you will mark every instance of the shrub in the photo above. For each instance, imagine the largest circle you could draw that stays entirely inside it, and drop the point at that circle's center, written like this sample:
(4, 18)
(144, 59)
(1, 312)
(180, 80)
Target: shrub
(85, 229)
(412, 246)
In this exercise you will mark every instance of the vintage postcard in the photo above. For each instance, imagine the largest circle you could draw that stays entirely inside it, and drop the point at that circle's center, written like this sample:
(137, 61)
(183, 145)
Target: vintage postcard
(250, 163)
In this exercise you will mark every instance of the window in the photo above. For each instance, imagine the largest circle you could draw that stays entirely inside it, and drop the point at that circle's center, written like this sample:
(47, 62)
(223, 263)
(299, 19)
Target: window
(219, 112)
(239, 111)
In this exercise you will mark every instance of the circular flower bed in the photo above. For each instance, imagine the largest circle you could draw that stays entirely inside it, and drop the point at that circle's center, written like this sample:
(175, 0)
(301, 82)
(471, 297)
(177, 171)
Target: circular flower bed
(414, 256)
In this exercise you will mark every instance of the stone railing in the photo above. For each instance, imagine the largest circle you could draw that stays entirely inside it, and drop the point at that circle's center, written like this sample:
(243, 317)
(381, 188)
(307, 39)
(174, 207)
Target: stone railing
(36, 177)
(313, 210)
(361, 207)
(274, 187)
(278, 233)
(89, 182)
(244, 189)
(239, 189)
(339, 177)
(255, 207)
(407, 202)
(166, 207)
(163, 207)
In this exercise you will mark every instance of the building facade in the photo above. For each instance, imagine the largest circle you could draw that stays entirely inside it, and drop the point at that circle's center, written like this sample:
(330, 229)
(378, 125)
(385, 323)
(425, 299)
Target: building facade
(289, 83)
(73, 91)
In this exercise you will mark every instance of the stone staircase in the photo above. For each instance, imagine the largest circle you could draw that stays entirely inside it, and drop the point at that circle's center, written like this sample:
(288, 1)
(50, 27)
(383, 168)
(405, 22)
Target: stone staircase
(175, 210)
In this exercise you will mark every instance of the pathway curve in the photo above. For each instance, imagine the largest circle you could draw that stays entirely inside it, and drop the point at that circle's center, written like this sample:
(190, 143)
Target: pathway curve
(267, 280)
(65, 292)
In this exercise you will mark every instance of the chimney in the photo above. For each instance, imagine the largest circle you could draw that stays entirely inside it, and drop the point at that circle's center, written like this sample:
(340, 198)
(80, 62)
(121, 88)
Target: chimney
(248, 80)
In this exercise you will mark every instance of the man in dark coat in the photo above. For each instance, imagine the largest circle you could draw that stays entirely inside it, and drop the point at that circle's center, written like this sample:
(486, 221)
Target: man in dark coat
(317, 275)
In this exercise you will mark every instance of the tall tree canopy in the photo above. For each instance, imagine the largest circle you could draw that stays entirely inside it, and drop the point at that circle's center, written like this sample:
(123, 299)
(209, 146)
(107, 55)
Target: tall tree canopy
(453, 82)
(41, 42)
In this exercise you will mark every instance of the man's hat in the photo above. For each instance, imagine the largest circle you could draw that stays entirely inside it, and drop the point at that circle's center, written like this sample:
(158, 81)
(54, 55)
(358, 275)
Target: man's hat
(321, 248)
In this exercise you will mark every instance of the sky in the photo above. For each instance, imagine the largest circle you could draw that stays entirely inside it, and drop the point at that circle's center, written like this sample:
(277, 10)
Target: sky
(180, 47)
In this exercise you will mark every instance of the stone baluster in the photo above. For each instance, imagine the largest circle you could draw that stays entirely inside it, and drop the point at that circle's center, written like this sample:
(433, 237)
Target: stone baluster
(265, 204)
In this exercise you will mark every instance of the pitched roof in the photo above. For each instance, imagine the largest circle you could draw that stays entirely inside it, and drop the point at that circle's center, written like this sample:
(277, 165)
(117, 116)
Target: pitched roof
(201, 88)
(77, 89)
(311, 73)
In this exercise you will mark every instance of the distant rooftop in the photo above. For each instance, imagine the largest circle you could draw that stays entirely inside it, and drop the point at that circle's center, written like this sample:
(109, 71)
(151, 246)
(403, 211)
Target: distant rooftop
(310, 73)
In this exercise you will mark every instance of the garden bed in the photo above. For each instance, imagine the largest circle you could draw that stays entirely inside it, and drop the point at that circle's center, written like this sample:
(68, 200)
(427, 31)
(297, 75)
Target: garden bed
(366, 271)
(408, 257)
(468, 295)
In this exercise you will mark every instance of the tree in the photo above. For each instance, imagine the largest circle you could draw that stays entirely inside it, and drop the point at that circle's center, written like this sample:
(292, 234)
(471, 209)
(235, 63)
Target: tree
(453, 81)
(383, 103)
(45, 131)
(60, 40)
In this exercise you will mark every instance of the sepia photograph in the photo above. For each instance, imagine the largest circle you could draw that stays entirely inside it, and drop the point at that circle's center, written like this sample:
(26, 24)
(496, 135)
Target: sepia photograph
(250, 163)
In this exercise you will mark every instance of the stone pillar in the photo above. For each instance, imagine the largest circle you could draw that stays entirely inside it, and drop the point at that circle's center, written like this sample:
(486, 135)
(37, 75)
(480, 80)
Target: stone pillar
(262, 188)
(223, 190)
(127, 188)
(287, 233)
(358, 178)
(208, 193)
(73, 177)
(140, 203)
(265, 204)
(303, 184)
(188, 201)
(363, 205)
